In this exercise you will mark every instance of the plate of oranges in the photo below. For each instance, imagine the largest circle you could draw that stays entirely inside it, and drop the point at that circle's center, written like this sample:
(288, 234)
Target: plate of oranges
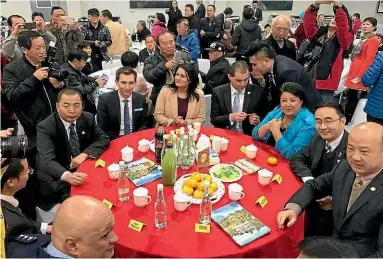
(193, 186)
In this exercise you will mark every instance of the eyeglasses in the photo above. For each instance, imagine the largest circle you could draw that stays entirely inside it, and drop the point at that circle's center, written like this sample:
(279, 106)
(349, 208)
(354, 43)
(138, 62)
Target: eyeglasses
(327, 122)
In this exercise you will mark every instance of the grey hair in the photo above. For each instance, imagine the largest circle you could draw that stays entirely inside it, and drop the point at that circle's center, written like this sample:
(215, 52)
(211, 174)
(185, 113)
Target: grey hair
(143, 23)
(184, 21)
(281, 17)
(227, 24)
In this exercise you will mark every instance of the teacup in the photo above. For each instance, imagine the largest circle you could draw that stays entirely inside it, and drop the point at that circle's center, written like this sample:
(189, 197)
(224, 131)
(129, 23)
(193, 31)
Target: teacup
(114, 171)
(251, 151)
(197, 126)
(264, 177)
(141, 197)
(236, 192)
(127, 154)
(143, 145)
(216, 145)
(224, 144)
(181, 202)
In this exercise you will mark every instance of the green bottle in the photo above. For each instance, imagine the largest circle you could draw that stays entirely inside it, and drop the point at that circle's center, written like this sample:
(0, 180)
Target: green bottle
(169, 165)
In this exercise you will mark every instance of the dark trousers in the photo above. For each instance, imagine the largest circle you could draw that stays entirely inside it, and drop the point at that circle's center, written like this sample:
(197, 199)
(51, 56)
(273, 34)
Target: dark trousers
(353, 98)
(373, 119)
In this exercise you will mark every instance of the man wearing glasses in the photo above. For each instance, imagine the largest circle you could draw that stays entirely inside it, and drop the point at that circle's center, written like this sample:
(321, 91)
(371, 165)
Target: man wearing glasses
(14, 176)
(326, 150)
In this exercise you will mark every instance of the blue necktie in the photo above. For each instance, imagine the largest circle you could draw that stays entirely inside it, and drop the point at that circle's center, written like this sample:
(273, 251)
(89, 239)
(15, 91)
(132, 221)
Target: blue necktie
(73, 141)
(236, 107)
(127, 129)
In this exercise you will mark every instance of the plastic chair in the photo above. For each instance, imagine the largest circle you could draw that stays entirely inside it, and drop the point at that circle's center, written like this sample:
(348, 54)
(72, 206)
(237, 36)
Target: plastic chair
(204, 65)
(208, 108)
(359, 115)
(46, 216)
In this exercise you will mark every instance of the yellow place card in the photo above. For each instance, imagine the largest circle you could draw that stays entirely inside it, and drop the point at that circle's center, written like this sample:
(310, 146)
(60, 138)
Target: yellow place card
(277, 178)
(136, 225)
(262, 201)
(201, 228)
(243, 149)
(100, 162)
(178, 131)
(107, 203)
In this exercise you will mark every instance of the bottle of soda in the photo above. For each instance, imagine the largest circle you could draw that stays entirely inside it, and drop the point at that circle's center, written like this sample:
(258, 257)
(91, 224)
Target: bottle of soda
(159, 142)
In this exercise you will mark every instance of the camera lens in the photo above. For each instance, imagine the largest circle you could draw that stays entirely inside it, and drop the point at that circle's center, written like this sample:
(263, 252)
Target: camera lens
(60, 75)
(14, 147)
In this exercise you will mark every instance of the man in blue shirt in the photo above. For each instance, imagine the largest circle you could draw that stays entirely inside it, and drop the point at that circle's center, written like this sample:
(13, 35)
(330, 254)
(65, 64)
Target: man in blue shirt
(188, 39)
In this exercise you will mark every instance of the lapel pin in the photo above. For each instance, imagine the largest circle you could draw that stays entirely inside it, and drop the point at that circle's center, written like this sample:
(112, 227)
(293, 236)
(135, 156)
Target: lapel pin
(248, 92)
(373, 189)
(83, 133)
(337, 161)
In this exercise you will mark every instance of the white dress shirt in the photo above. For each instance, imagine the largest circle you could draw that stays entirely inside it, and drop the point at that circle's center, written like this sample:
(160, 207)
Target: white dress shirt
(241, 100)
(15, 203)
(333, 144)
(122, 105)
(67, 125)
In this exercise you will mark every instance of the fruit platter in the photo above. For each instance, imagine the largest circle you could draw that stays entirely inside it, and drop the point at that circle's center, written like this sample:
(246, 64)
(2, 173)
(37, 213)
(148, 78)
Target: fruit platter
(193, 186)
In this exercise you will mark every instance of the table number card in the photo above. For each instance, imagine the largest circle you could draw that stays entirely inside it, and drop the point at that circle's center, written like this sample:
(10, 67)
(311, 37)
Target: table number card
(100, 162)
(262, 201)
(277, 178)
(203, 158)
(136, 225)
(200, 228)
(107, 203)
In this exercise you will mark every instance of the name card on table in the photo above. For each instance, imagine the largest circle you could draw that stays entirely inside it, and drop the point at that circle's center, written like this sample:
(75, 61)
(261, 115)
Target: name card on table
(100, 162)
(262, 201)
(243, 149)
(107, 203)
(201, 228)
(136, 225)
(277, 178)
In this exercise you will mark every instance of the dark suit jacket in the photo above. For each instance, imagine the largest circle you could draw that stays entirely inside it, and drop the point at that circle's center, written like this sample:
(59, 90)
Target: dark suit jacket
(201, 11)
(362, 225)
(14, 217)
(221, 19)
(194, 23)
(258, 14)
(109, 115)
(141, 35)
(306, 162)
(34, 249)
(212, 29)
(54, 155)
(217, 74)
(288, 49)
(221, 106)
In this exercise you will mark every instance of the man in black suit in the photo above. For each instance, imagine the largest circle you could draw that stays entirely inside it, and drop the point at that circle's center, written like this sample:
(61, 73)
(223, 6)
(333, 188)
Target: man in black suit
(257, 11)
(326, 150)
(194, 21)
(356, 187)
(210, 30)
(200, 10)
(141, 31)
(278, 39)
(123, 111)
(273, 71)
(223, 16)
(235, 106)
(64, 141)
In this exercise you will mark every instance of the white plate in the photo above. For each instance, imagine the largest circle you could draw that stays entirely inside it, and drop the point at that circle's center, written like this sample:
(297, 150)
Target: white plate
(219, 166)
(152, 147)
(215, 198)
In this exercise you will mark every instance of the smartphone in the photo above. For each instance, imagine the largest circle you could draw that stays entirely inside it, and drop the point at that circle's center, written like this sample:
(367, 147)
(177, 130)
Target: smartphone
(69, 20)
(178, 56)
(105, 77)
(29, 26)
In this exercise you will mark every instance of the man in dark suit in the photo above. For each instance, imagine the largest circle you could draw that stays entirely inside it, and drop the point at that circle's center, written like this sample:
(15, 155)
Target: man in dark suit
(223, 16)
(64, 141)
(257, 12)
(273, 71)
(141, 32)
(235, 106)
(194, 21)
(200, 10)
(123, 111)
(356, 187)
(278, 39)
(210, 30)
(326, 150)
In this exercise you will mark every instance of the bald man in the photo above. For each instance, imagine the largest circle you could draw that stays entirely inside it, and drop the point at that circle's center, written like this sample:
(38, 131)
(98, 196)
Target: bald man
(356, 187)
(82, 228)
(280, 28)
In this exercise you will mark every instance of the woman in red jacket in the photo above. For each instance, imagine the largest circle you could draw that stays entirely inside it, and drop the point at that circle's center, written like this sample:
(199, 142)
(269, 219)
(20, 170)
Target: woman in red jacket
(362, 57)
(333, 40)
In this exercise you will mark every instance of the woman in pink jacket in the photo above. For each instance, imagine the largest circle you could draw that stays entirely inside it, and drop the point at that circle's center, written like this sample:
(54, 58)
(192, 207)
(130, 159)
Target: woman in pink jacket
(159, 24)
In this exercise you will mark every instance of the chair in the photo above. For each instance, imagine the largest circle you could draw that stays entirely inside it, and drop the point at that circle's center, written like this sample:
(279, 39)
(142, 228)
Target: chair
(208, 107)
(204, 65)
(231, 60)
(359, 115)
(46, 216)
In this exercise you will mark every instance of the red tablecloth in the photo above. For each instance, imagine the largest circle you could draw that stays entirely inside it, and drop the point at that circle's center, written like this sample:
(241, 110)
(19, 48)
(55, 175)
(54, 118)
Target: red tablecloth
(178, 238)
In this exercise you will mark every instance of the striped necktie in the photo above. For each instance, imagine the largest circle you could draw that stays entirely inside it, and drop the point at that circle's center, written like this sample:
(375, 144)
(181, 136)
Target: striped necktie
(73, 141)
(127, 128)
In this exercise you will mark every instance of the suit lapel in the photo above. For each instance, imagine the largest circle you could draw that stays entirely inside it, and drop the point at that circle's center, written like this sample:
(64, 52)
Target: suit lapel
(63, 135)
(341, 149)
(227, 99)
(191, 109)
(345, 195)
(135, 105)
(318, 152)
(13, 209)
(81, 131)
(246, 99)
(374, 188)
(115, 107)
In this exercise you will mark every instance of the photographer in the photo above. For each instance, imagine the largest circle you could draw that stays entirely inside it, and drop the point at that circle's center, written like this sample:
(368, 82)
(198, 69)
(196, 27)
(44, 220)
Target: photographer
(31, 93)
(39, 20)
(77, 79)
(323, 57)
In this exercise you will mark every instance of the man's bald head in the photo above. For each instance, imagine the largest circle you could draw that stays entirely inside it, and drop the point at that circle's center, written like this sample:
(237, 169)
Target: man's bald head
(83, 227)
(365, 148)
(280, 27)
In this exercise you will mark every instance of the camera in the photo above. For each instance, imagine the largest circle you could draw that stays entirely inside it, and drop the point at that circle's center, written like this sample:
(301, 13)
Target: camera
(14, 147)
(49, 62)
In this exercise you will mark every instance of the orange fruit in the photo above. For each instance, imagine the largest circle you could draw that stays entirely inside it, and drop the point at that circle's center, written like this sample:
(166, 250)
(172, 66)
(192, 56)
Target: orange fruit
(200, 186)
(198, 194)
(272, 161)
(188, 190)
(214, 186)
(206, 177)
(191, 183)
(196, 176)
(210, 191)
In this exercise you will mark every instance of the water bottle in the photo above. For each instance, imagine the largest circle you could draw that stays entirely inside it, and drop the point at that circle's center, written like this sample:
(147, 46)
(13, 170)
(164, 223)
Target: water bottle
(205, 207)
(192, 151)
(123, 184)
(184, 155)
(160, 210)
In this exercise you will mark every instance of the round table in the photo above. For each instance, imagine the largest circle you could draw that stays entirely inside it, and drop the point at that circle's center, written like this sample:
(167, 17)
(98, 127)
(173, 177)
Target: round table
(178, 238)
